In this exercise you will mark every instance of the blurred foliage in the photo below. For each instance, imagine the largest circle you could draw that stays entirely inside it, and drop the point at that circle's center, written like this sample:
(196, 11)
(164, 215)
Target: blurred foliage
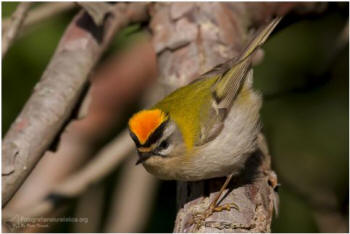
(305, 83)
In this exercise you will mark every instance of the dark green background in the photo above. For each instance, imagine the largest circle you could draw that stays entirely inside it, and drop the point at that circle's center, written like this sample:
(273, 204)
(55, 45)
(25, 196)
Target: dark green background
(305, 83)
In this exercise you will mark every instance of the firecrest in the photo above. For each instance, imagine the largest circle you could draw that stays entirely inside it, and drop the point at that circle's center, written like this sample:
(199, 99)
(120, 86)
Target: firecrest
(206, 129)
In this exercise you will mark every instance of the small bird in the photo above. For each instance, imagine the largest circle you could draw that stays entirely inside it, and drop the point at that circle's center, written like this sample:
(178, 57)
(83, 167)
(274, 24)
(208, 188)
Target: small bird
(207, 128)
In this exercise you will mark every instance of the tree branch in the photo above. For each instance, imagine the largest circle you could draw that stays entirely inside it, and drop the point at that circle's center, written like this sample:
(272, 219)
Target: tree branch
(14, 25)
(57, 92)
(190, 39)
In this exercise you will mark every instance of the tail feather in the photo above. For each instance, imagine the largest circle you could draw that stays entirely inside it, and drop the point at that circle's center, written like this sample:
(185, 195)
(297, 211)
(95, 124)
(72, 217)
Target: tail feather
(260, 38)
(227, 86)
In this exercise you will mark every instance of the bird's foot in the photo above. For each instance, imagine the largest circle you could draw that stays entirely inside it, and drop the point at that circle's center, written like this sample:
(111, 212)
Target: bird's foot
(227, 207)
(199, 218)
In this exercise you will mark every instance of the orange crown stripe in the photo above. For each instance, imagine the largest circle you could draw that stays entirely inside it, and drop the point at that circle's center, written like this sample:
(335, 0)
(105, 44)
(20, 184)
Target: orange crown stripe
(145, 122)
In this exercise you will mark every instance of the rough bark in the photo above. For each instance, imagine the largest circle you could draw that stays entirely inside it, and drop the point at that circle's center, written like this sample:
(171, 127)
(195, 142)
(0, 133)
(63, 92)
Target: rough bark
(191, 38)
(55, 96)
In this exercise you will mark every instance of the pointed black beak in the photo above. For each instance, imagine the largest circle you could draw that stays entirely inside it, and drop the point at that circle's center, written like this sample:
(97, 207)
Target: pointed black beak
(143, 156)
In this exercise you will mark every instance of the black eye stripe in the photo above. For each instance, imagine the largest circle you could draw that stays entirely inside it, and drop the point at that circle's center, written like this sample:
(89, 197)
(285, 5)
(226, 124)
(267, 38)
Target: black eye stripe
(156, 135)
(163, 145)
(135, 139)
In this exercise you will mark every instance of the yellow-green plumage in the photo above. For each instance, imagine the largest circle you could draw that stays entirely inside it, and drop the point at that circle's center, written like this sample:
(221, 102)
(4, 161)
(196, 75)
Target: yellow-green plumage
(188, 107)
(213, 122)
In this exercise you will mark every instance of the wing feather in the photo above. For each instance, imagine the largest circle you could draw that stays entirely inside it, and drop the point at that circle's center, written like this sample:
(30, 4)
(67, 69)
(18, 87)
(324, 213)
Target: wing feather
(229, 78)
(235, 71)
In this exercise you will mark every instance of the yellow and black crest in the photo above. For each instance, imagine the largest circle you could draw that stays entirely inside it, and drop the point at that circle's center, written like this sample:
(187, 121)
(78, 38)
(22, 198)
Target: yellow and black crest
(146, 126)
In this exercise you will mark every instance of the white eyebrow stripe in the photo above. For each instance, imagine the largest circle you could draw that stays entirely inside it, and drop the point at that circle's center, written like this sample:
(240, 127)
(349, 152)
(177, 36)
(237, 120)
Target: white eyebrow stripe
(169, 129)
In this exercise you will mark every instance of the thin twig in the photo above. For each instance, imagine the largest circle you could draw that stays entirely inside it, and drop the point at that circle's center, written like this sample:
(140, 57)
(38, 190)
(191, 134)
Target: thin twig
(58, 91)
(14, 25)
(41, 13)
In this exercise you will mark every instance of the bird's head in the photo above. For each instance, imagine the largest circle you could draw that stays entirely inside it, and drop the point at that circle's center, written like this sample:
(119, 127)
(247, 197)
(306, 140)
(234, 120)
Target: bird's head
(155, 135)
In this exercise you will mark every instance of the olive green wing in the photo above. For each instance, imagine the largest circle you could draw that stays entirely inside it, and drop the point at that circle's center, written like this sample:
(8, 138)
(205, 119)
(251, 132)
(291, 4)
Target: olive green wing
(229, 78)
(235, 71)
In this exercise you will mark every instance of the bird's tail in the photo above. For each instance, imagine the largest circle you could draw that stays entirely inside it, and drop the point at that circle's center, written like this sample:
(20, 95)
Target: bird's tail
(227, 85)
(260, 38)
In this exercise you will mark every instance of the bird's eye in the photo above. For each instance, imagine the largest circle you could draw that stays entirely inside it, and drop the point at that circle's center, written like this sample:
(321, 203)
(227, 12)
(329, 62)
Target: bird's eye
(163, 145)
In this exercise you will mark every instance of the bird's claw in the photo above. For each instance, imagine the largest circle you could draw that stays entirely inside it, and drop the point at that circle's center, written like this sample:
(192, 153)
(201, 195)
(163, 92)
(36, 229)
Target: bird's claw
(199, 218)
